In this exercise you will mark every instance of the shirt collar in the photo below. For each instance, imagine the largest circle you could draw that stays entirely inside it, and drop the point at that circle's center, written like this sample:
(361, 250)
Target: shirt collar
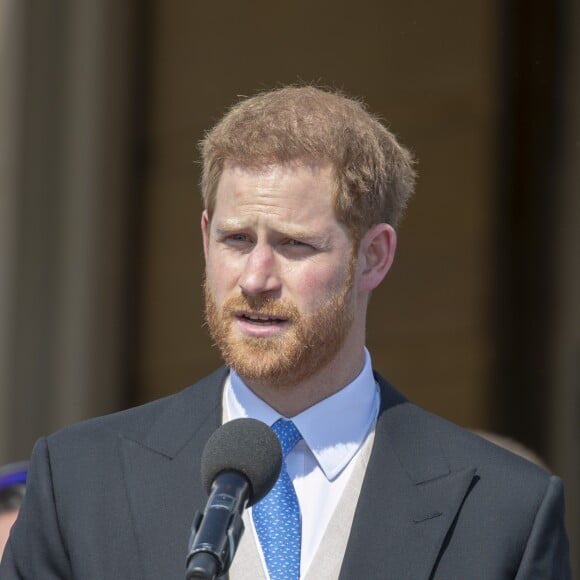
(333, 443)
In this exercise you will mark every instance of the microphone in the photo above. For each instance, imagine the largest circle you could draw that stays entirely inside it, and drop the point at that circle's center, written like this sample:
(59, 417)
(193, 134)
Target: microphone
(240, 464)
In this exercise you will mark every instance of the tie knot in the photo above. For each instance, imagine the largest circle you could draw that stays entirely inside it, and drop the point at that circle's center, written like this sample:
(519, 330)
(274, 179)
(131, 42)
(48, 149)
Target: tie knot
(288, 435)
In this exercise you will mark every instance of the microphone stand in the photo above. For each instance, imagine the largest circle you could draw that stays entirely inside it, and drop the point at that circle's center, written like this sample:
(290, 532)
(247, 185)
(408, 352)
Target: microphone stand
(216, 533)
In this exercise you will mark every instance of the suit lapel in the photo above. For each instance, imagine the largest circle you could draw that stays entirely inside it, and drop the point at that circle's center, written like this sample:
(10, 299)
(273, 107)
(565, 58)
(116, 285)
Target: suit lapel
(409, 498)
(162, 474)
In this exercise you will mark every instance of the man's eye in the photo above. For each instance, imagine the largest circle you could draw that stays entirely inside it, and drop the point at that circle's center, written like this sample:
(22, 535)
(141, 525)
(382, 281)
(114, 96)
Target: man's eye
(238, 242)
(296, 243)
(238, 238)
(298, 246)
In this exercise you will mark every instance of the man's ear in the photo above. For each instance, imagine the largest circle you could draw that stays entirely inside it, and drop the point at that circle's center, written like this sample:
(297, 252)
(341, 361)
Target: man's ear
(205, 232)
(375, 256)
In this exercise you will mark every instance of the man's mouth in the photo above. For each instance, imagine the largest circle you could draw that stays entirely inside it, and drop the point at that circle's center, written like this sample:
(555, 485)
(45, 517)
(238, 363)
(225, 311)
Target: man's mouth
(260, 319)
(261, 324)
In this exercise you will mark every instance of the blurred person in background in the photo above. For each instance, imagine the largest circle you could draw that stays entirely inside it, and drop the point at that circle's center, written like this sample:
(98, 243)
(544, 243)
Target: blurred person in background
(12, 490)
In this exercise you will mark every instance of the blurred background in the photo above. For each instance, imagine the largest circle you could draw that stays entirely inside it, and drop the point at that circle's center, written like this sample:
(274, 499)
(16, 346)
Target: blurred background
(102, 103)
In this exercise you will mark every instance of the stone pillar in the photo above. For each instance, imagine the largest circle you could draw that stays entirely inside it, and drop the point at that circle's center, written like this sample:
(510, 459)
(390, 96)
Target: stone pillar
(565, 384)
(65, 185)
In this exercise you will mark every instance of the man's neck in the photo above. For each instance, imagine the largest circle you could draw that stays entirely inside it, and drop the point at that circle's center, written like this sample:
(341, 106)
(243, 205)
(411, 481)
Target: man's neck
(293, 398)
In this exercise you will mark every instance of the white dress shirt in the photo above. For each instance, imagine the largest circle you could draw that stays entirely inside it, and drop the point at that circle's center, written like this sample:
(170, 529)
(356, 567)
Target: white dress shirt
(320, 465)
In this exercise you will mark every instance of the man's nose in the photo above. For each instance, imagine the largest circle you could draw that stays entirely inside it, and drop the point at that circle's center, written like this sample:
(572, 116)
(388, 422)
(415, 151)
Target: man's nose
(260, 274)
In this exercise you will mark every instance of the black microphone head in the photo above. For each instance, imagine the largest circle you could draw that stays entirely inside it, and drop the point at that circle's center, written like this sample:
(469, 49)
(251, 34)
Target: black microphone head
(247, 446)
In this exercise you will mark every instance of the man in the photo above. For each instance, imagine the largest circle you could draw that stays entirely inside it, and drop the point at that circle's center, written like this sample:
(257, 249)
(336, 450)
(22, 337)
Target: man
(12, 490)
(303, 190)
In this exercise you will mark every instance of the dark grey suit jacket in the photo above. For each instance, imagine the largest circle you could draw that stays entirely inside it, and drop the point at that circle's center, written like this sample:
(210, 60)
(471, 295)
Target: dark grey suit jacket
(114, 497)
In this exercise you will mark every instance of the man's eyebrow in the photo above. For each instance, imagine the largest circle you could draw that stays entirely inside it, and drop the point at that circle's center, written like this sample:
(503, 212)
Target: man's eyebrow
(307, 236)
(230, 225)
(233, 225)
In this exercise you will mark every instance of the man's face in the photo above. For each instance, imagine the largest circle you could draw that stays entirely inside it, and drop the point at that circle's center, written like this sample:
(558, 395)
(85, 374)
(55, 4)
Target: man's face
(279, 272)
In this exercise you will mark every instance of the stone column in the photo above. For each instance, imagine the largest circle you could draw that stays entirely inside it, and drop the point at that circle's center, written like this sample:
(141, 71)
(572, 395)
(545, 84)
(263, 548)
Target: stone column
(65, 183)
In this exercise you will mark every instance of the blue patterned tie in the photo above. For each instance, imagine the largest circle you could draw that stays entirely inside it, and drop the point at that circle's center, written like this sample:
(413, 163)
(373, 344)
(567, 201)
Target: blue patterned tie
(277, 516)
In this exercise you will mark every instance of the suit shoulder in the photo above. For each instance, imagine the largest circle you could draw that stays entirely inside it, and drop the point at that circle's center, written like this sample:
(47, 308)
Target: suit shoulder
(136, 421)
(426, 435)
(462, 446)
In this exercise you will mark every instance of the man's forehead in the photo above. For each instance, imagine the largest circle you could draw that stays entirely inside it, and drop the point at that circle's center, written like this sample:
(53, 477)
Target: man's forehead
(265, 167)
(304, 209)
(237, 179)
(308, 181)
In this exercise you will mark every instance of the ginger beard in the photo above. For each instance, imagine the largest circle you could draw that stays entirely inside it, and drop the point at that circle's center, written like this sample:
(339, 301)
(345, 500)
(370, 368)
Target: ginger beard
(307, 344)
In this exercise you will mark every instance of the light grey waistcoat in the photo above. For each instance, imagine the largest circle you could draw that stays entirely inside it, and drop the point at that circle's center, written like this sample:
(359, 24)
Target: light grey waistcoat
(247, 564)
